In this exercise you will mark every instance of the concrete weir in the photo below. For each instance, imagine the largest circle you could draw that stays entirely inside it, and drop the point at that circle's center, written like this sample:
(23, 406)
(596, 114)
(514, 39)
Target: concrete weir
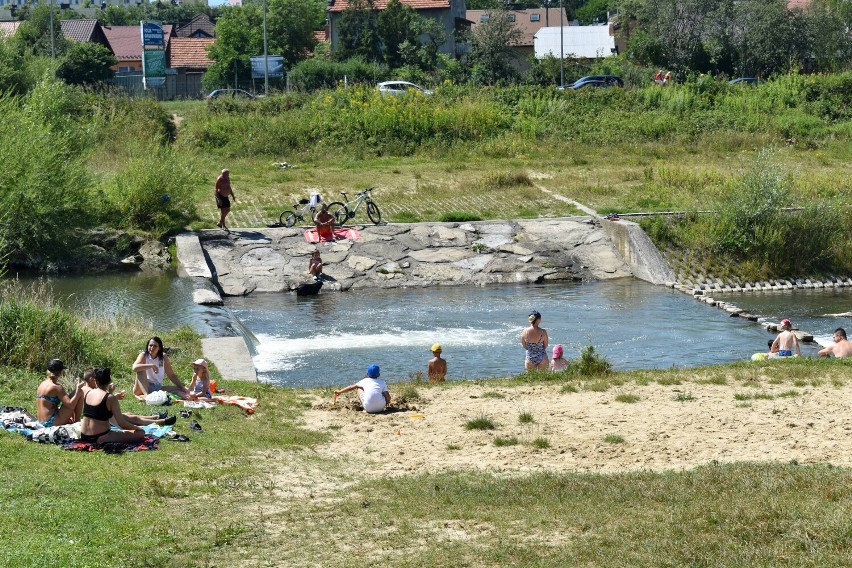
(247, 261)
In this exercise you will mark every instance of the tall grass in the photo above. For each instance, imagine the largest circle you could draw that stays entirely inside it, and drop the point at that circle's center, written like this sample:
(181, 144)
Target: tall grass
(359, 117)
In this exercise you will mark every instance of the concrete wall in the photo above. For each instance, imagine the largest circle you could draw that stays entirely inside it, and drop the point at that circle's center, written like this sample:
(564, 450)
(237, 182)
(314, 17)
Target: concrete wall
(640, 254)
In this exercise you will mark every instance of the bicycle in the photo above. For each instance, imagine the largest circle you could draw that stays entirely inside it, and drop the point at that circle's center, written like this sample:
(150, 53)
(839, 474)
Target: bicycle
(289, 218)
(342, 212)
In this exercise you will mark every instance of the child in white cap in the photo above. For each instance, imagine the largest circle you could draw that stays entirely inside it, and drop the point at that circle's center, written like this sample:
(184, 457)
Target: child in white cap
(374, 393)
(199, 388)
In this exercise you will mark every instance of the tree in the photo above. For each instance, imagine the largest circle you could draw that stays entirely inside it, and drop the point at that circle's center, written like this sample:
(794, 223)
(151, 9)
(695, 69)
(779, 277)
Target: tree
(771, 38)
(358, 32)
(239, 36)
(34, 33)
(395, 26)
(491, 48)
(87, 63)
(592, 11)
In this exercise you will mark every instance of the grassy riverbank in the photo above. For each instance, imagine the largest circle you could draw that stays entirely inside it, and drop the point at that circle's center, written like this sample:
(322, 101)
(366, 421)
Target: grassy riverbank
(284, 487)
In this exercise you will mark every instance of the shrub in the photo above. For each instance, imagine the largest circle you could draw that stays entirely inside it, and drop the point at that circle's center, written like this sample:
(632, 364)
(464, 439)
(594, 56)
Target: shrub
(480, 423)
(501, 442)
(459, 217)
(33, 331)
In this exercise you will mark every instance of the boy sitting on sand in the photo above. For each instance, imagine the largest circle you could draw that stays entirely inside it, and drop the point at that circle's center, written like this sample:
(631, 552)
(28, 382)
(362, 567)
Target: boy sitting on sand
(374, 392)
(786, 340)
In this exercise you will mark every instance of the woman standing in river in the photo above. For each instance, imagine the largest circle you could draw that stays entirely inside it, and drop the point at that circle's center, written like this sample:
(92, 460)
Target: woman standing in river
(534, 341)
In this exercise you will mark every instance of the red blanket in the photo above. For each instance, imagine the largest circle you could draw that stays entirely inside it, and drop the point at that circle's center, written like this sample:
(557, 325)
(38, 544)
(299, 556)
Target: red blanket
(340, 233)
(148, 443)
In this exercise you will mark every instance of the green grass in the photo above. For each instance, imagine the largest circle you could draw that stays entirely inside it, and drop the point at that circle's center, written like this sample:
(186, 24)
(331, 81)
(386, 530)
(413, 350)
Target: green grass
(614, 439)
(684, 397)
(501, 442)
(493, 394)
(540, 443)
(765, 395)
(627, 398)
(525, 418)
(480, 423)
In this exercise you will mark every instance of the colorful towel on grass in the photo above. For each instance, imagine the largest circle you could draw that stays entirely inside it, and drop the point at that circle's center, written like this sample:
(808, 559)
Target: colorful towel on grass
(312, 236)
(246, 403)
(148, 443)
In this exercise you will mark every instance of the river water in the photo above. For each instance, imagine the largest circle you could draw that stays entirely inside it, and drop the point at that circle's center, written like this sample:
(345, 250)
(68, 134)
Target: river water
(331, 338)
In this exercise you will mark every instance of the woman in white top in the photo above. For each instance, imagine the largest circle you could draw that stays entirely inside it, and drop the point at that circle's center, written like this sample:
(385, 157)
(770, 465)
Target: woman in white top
(150, 368)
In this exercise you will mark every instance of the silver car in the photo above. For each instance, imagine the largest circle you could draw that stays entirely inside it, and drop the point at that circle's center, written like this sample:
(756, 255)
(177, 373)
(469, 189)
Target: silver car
(400, 88)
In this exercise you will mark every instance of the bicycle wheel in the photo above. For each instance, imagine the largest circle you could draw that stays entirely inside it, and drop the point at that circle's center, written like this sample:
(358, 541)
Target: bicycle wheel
(287, 218)
(373, 212)
(340, 213)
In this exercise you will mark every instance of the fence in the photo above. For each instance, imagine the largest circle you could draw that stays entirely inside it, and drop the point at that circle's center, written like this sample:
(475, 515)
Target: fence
(178, 86)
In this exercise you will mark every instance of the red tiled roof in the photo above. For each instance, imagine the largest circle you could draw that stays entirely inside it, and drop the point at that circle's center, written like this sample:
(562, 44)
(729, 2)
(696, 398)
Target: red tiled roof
(340, 5)
(78, 30)
(126, 41)
(9, 29)
(190, 52)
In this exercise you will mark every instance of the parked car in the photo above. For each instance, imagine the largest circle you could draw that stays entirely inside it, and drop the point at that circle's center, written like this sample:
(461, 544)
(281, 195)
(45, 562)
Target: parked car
(595, 81)
(235, 93)
(400, 88)
(751, 81)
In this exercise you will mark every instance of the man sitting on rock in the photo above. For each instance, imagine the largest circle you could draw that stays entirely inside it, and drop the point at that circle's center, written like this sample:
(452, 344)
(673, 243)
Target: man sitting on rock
(842, 347)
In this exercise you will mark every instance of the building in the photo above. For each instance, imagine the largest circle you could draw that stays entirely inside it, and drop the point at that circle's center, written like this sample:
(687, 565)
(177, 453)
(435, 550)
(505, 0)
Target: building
(451, 14)
(201, 26)
(188, 61)
(527, 22)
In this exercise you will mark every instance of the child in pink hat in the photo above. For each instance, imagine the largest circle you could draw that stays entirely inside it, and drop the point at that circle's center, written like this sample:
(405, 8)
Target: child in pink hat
(558, 363)
(199, 388)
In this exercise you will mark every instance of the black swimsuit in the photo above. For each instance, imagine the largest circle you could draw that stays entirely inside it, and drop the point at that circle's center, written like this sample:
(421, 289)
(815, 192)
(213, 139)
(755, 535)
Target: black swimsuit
(97, 412)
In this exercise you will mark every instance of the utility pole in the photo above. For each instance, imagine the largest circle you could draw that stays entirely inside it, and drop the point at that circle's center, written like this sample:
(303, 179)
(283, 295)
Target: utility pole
(52, 34)
(265, 53)
(561, 46)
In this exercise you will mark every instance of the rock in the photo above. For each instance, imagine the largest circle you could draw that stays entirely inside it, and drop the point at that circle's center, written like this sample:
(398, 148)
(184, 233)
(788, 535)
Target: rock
(361, 263)
(441, 254)
(493, 241)
(155, 256)
(133, 260)
(515, 249)
(206, 298)
(474, 263)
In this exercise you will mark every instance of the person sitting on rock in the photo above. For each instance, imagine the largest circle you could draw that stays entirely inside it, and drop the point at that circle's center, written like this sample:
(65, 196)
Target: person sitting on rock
(315, 265)
(324, 222)
(786, 340)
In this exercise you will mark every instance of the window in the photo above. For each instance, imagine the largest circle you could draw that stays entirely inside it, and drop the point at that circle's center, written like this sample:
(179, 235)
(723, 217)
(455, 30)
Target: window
(483, 18)
(535, 17)
(511, 17)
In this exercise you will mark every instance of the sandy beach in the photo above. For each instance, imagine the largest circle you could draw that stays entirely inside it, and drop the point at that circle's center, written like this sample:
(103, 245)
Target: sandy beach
(668, 428)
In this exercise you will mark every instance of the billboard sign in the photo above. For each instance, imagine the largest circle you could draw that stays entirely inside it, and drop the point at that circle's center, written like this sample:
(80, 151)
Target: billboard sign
(276, 66)
(152, 34)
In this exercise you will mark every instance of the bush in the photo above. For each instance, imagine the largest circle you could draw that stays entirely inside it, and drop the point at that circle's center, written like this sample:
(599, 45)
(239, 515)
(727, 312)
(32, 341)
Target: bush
(33, 331)
(153, 192)
(458, 217)
(317, 73)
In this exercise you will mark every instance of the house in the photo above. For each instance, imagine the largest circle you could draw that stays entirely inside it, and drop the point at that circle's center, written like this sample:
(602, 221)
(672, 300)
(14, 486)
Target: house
(84, 31)
(578, 42)
(188, 59)
(201, 26)
(528, 22)
(451, 13)
(126, 44)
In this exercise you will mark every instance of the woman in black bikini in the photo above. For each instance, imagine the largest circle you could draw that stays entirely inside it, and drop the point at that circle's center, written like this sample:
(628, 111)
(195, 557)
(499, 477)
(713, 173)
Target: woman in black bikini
(98, 407)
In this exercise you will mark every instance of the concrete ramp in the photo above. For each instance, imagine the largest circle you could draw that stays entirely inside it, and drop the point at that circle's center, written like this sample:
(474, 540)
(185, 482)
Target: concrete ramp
(640, 254)
(231, 357)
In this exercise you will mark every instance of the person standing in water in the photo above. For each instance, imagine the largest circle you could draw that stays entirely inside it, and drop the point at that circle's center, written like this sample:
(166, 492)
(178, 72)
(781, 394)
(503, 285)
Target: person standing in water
(786, 340)
(534, 341)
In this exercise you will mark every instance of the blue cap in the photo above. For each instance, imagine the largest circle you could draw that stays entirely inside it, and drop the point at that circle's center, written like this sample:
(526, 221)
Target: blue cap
(373, 371)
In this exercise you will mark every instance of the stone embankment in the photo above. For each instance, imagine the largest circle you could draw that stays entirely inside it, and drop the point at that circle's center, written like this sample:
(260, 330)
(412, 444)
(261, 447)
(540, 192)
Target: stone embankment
(247, 261)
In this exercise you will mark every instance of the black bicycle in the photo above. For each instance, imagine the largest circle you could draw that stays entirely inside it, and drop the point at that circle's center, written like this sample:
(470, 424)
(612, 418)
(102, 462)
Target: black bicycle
(300, 210)
(342, 212)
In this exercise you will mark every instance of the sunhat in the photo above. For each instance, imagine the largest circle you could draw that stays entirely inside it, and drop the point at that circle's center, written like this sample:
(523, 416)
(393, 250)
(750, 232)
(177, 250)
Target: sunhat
(201, 362)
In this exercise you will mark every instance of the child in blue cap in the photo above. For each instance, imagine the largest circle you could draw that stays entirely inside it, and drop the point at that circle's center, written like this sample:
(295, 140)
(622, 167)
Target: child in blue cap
(373, 393)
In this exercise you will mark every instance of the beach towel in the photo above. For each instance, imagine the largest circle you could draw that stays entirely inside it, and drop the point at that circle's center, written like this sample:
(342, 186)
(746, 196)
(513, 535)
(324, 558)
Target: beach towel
(244, 402)
(312, 236)
(147, 443)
